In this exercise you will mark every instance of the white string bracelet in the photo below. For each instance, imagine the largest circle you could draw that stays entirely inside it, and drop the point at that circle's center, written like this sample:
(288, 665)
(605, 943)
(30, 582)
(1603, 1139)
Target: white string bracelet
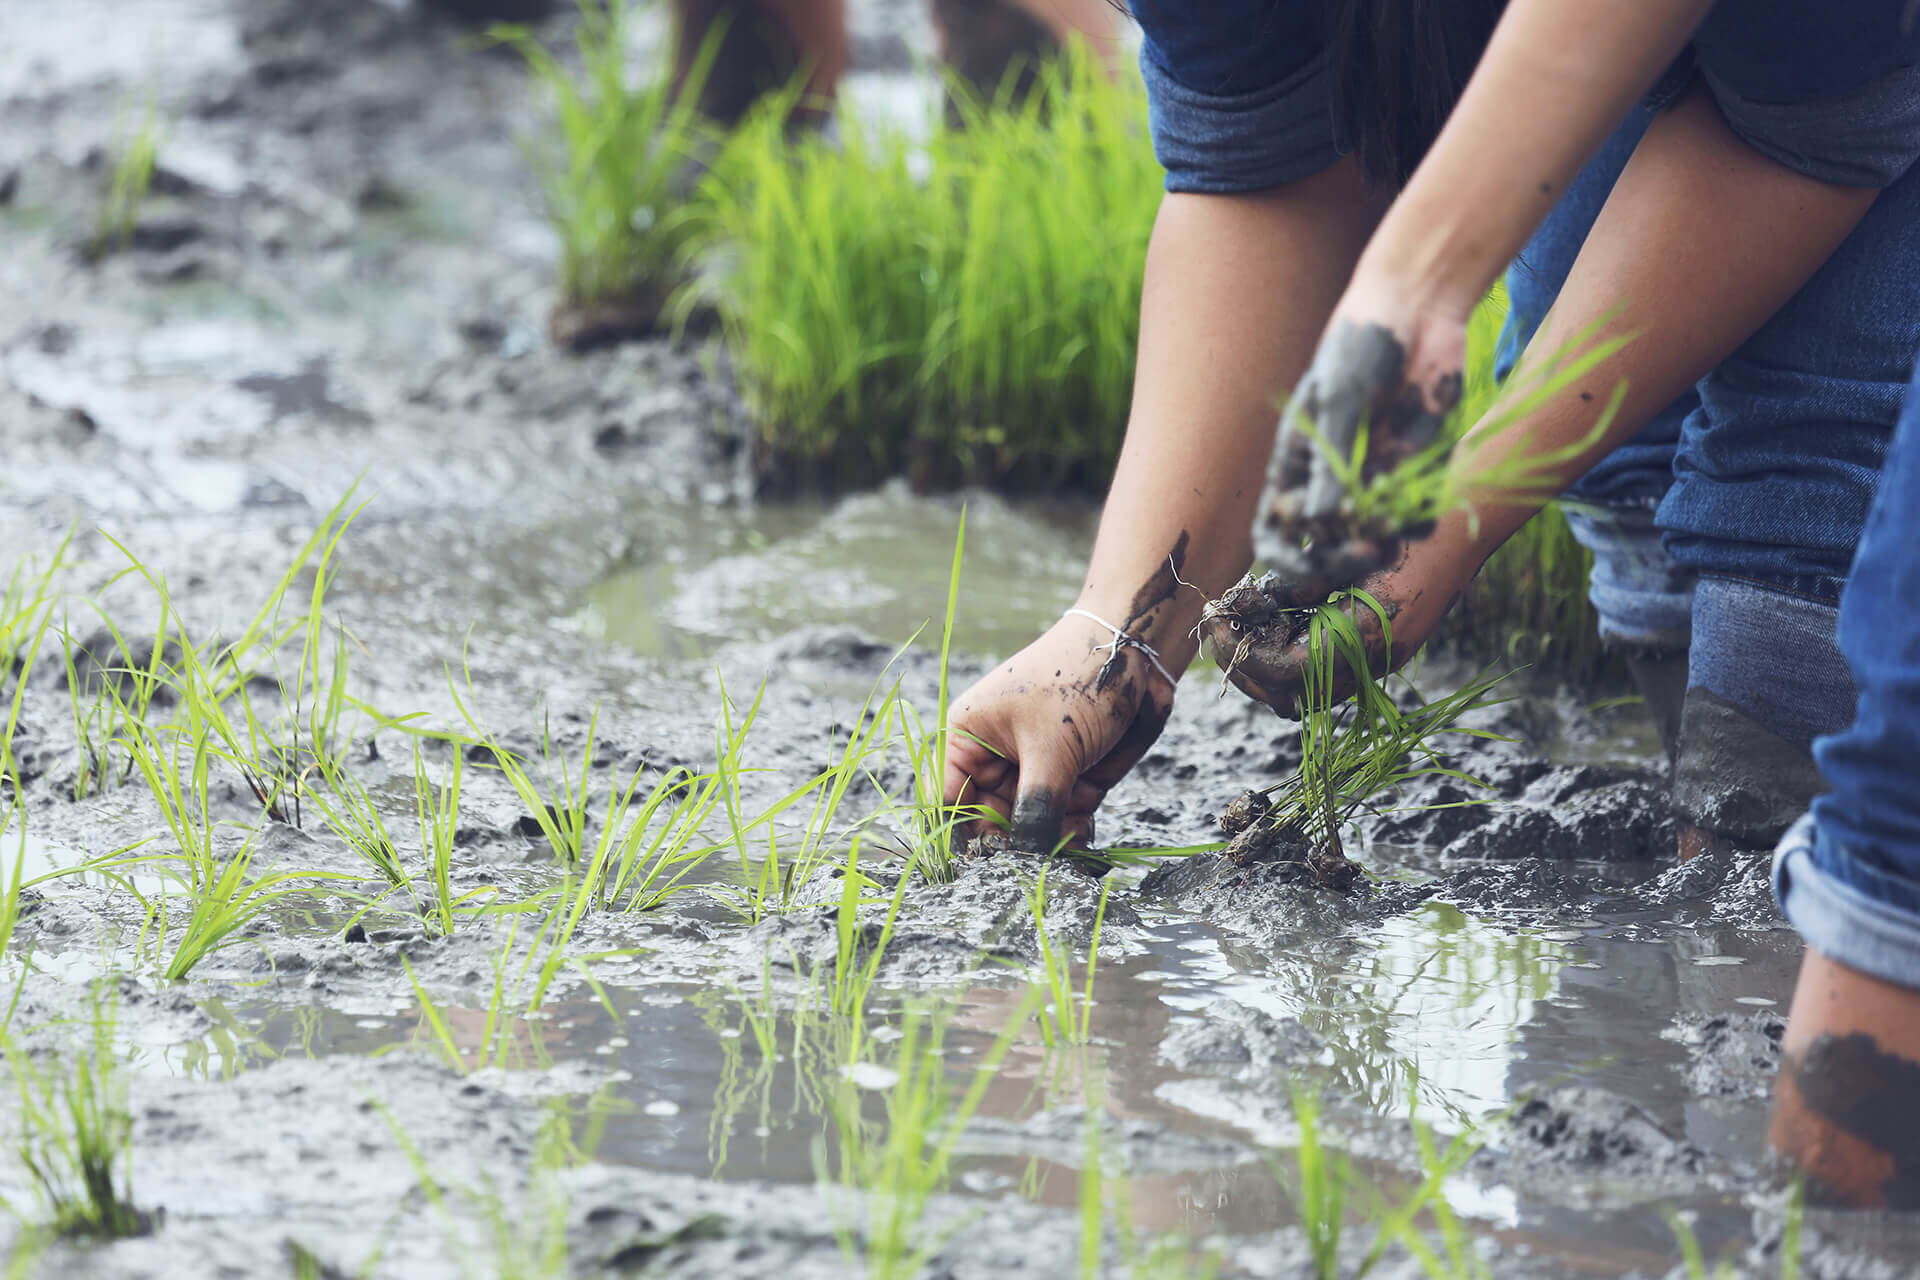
(1122, 640)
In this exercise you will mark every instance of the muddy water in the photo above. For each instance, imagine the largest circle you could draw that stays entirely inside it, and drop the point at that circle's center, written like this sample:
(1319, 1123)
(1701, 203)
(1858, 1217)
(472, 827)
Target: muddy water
(694, 580)
(361, 292)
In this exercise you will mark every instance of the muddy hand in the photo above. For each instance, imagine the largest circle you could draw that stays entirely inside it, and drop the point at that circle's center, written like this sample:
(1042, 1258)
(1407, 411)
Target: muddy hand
(1257, 630)
(1361, 378)
(1042, 738)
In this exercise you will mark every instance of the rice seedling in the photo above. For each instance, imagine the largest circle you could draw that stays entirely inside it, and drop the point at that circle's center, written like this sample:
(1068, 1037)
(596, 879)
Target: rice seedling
(614, 165)
(963, 308)
(437, 815)
(1065, 1015)
(1351, 754)
(1455, 1258)
(135, 152)
(895, 1172)
(26, 614)
(647, 846)
(933, 823)
(13, 816)
(495, 1044)
(210, 675)
(523, 1241)
(75, 1138)
(1319, 1189)
(1106, 1206)
(859, 951)
(1529, 601)
(1421, 488)
(106, 707)
(224, 896)
(664, 846)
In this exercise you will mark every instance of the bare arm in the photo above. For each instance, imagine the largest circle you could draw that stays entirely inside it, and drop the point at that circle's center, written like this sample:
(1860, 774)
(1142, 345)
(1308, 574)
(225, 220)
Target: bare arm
(1702, 240)
(1556, 78)
(1237, 289)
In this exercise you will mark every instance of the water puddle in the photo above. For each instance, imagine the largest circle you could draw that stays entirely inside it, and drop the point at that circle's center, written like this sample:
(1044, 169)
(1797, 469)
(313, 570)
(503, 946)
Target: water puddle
(1458, 1016)
(695, 579)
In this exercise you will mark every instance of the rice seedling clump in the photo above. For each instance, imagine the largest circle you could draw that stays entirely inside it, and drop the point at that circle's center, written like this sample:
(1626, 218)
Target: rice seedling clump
(961, 307)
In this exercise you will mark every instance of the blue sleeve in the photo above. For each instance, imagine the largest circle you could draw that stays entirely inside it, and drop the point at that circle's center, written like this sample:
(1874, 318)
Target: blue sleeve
(1829, 89)
(1239, 93)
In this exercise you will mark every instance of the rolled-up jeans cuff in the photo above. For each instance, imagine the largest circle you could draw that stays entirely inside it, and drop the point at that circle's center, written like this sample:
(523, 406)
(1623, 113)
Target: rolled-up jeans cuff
(1643, 598)
(1224, 144)
(1842, 921)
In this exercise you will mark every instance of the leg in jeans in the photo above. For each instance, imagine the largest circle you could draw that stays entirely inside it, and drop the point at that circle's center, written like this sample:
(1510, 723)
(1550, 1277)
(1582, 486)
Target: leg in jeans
(1644, 600)
(1848, 877)
(1774, 475)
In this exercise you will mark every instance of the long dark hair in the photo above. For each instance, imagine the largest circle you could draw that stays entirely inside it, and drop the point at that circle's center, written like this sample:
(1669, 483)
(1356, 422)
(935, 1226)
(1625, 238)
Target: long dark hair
(1398, 68)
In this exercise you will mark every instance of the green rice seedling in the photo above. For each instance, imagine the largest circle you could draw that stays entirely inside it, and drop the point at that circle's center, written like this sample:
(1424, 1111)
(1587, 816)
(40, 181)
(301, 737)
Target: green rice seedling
(1529, 601)
(560, 808)
(1455, 1258)
(933, 823)
(349, 812)
(495, 1045)
(210, 674)
(1422, 488)
(26, 615)
(896, 1172)
(648, 845)
(527, 1241)
(75, 1137)
(1352, 753)
(857, 955)
(1107, 1206)
(963, 307)
(224, 895)
(664, 846)
(121, 696)
(614, 164)
(1690, 1253)
(437, 813)
(1320, 1189)
(1065, 1016)
(136, 151)
(14, 816)
(822, 835)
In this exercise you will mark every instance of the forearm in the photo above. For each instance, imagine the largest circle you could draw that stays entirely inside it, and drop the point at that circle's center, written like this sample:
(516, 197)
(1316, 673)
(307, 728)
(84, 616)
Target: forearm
(1237, 290)
(1556, 78)
(1701, 241)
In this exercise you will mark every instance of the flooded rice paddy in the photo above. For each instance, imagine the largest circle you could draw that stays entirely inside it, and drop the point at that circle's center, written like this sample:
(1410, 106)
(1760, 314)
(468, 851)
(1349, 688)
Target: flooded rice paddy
(557, 538)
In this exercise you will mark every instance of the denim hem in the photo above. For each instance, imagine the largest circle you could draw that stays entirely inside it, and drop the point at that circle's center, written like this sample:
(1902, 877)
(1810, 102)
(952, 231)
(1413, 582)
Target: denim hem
(1866, 138)
(1230, 144)
(1839, 921)
(1813, 588)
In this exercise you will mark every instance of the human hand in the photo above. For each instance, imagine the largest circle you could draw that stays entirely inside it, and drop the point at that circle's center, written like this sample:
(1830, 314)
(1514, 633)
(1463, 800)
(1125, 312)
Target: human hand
(1257, 630)
(1042, 738)
(1385, 367)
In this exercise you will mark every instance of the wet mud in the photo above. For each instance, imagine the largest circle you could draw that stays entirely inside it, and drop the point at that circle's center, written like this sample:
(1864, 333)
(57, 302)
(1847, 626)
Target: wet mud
(343, 275)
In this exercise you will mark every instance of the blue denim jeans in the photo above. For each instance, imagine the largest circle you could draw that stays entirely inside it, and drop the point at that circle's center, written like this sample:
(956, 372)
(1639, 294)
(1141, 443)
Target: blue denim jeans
(1758, 479)
(1848, 875)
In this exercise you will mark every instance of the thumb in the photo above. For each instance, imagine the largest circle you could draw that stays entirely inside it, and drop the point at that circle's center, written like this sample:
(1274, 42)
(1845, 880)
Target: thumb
(1047, 775)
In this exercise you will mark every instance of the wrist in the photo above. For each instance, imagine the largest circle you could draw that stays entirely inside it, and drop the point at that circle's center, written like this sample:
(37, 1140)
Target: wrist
(1151, 644)
(1416, 276)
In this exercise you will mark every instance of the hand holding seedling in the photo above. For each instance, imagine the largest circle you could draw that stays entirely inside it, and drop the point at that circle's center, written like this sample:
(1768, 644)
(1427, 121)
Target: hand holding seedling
(1376, 394)
(1043, 738)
